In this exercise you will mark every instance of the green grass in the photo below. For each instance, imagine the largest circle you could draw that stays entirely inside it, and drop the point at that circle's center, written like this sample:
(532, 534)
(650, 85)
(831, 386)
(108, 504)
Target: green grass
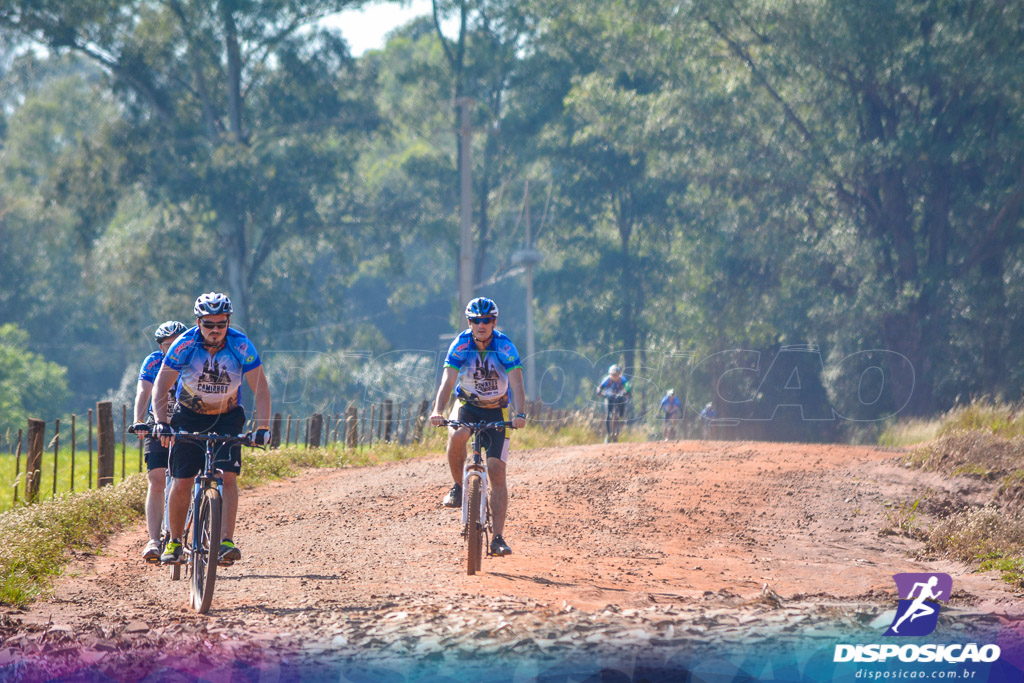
(8, 466)
(1011, 568)
(911, 432)
(36, 538)
(901, 518)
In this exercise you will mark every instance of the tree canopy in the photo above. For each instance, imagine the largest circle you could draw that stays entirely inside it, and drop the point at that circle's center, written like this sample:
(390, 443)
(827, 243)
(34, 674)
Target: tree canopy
(720, 190)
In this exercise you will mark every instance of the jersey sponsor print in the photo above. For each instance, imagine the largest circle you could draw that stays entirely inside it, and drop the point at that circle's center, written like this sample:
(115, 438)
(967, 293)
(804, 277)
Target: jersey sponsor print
(483, 375)
(211, 384)
(148, 372)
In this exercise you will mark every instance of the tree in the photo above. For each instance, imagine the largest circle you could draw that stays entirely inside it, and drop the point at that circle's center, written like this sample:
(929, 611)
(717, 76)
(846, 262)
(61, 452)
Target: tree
(29, 385)
(229, 109)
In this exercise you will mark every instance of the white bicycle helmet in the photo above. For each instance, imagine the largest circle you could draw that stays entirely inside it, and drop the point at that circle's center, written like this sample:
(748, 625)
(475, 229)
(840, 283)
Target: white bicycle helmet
(614, 370)
(171, 328)
(212, 303)
(481, 307)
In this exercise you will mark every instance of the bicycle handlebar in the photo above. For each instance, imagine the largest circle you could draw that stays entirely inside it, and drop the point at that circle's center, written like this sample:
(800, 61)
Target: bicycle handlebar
(243, 439)
(476, 426)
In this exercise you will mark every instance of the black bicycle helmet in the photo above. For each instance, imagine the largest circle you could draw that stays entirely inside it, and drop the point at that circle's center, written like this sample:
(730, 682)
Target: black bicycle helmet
(212, 303)
(171, 328)
(481, 307)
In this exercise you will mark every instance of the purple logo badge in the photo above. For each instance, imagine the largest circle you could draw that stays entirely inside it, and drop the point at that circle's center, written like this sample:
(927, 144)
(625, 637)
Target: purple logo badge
(918, 613)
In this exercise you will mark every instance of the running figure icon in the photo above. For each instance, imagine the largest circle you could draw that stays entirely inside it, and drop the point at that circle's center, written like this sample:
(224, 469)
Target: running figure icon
(918, 608)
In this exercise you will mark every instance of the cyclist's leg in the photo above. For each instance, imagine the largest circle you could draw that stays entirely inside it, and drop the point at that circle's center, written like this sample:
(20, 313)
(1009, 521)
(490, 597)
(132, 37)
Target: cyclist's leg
(609, 413)
(156, 476)
(498, 494)
(228, 459)
(457, 439)
(186, 459)
(496, 443)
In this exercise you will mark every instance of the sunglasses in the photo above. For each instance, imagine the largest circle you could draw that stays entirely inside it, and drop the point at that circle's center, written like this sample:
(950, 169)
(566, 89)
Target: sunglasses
(214, 326)
(481, 321)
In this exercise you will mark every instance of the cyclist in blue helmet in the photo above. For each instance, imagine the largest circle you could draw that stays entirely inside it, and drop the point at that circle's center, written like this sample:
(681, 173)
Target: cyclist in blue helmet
(156, 453)
(207, 365)
(484, 369)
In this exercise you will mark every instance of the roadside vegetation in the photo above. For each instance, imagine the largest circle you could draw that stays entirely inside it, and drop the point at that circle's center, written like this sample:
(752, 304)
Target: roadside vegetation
(37, 541)
(983, 441)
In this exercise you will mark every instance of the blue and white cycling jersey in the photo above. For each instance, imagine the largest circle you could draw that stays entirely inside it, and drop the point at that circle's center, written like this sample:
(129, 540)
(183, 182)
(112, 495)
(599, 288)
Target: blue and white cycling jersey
(147, 373)
(211, 385)
(483, 375)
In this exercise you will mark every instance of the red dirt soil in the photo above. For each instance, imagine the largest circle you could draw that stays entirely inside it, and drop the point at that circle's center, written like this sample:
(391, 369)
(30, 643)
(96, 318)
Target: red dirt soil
(631, 538)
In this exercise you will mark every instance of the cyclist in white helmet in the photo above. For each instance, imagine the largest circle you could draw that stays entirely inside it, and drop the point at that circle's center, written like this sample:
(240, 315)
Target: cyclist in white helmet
(616, 392)
(208, 363)
(156, 453)
(484, 368)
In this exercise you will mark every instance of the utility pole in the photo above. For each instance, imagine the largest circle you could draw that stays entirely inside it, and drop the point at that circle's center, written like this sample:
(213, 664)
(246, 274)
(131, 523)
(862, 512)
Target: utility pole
(529, 257)
(466, 245)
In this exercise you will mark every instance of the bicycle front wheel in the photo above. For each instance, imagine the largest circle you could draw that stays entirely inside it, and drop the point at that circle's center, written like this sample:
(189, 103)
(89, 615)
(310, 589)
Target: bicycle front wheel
(204, 553)
(474, 531)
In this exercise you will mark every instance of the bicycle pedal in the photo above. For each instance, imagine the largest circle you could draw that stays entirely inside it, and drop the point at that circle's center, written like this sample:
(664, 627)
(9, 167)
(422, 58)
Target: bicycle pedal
(153, 560)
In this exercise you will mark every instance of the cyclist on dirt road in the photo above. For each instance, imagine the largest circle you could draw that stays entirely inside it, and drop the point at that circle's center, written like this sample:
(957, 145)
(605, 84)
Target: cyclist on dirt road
(208, 363)
(672, 411)
(616, 391)
(484, 368)
(156, 453)
(707, 418)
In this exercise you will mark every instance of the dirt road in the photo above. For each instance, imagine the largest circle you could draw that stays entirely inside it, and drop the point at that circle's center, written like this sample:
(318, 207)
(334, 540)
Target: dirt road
(657, 545)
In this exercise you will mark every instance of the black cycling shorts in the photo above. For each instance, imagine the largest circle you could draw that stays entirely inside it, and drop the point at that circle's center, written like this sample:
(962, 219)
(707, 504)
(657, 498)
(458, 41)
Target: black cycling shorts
(494, 442)
(615, 404)
(156, 455)
(188, 457)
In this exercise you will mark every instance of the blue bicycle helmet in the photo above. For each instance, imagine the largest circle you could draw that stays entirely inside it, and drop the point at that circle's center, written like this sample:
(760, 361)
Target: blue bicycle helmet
(212, 303)
(481, 307)
(171, 328)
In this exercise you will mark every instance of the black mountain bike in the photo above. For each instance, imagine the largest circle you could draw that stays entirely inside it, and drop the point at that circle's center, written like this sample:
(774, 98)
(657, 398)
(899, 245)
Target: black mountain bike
(476, 510)
(201, 540)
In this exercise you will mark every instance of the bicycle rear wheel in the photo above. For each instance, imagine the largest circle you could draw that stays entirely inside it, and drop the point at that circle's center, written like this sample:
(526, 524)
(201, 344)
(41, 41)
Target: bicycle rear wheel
(474, 533)
(204, 553)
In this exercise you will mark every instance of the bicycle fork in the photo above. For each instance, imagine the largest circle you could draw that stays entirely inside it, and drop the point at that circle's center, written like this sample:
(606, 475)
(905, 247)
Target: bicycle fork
(474, 470)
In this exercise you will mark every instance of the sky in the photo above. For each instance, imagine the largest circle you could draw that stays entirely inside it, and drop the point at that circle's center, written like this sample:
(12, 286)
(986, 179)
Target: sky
(364, 29)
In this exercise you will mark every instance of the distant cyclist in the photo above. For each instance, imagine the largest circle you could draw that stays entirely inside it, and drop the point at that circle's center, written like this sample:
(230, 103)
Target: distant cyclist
(707, 418)
(616, 392)
(483, 367)
(208, 362)
(672, 412)
(156, 453)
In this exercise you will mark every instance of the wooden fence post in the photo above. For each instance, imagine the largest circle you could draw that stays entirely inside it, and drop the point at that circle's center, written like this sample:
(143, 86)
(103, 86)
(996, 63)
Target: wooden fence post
(105, 443)
(72, 452)
(56, 450)
(316, 428)
(305, 434)
(17, 467)
(90, 448)
(351, 424)
(275, 431)
(33, 464)
(422, 419)
(388, 420)
(288, 432)
(124, 433)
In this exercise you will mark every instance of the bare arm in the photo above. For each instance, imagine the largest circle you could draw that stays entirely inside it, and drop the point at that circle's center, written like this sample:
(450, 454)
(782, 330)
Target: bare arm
(143, 389)
(258, 383)
(515, 380)
(165, 379)
(444, 392)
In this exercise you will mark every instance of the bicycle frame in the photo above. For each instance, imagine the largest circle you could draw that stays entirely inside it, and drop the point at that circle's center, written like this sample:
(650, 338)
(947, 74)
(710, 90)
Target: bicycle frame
(476, 523)
(200, 553)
